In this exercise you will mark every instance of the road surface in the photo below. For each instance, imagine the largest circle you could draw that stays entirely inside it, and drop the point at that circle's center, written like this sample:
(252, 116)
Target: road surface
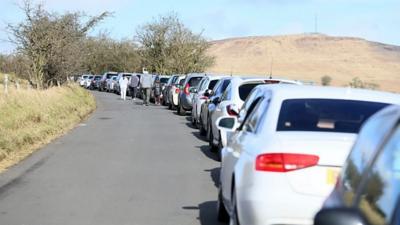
(127, 164)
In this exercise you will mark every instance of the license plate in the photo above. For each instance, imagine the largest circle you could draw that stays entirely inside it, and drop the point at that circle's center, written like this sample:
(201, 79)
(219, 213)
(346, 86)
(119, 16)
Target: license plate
(331, 176)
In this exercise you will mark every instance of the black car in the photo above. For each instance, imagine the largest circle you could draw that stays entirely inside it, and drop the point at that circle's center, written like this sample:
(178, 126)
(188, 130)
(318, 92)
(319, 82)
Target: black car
(368, 189)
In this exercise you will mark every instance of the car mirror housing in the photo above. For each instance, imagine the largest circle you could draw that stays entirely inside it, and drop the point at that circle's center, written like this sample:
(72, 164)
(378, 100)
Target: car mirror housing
(208, 93)
(339, 216)
(227, 123)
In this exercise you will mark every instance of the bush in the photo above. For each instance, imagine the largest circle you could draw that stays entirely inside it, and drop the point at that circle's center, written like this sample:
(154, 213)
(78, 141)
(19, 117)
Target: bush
(326, 80)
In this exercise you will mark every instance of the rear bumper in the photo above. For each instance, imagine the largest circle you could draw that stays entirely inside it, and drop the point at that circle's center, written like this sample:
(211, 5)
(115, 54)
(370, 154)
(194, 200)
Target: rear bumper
(185, 101)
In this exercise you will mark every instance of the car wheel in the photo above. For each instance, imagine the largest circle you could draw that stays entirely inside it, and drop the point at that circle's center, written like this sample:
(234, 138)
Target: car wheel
(234, 219)
(169, 106)
(219, 147)
(181, 111)
(201, 128)
(211, 138)
(223, 215)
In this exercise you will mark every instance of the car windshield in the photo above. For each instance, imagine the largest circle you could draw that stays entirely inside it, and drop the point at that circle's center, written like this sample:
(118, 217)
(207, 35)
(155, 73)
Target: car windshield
(194, 81)
(97, 77)
(245, 89)
(325, 115)
(109, 75)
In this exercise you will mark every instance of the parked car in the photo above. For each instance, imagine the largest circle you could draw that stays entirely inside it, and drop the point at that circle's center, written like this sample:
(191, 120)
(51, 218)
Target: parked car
(110, 86)
(88, 81)
(95, 83)
(167, 88)
(206, 84)
(82, 79)
(186, 95)
(173, 93)
(210, 104)
(103, 80)
(231, 101)
(116, 85)
(368, 189)
(282, 160)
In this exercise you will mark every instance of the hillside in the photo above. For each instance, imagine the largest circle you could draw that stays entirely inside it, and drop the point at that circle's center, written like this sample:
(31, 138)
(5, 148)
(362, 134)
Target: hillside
(309, 57)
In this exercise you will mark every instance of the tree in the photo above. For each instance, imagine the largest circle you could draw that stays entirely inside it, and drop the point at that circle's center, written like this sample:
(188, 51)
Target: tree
(358, 83)
(326, 80)
(52, 43)
(168, 47)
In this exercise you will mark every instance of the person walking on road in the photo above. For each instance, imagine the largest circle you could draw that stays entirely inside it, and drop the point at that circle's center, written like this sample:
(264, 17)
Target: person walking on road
(123, 84)
(145, 85)
(157, 91)
(133, 86)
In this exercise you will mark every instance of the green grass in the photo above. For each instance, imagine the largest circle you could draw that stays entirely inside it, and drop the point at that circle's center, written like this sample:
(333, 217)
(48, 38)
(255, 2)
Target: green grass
(30, 119)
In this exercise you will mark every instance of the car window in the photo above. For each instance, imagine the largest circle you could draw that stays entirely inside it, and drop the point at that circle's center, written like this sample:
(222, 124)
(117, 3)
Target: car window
(364, 149)
(227, 94)
(202, 84)
(248, 113)
(212, 84)
(251, 125)
(325, 115)
(245, 89)
(164, 80)
(194, 81)
(379, 196)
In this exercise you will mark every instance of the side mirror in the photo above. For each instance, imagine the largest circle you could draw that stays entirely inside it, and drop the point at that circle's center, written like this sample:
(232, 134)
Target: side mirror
(208, 93)
(339, 216)
(227, 123)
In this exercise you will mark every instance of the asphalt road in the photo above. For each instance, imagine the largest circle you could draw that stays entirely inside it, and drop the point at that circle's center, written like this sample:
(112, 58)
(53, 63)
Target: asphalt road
(127, 164)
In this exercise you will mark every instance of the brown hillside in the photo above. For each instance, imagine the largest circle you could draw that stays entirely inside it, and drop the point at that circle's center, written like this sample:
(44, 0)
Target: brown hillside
(309, 57)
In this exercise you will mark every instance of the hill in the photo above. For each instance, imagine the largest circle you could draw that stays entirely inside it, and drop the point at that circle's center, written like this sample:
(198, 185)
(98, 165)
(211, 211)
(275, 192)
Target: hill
(309, 57)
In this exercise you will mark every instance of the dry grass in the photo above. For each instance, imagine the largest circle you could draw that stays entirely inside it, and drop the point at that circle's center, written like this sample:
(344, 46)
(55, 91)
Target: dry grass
(30, 119)
(309, 57)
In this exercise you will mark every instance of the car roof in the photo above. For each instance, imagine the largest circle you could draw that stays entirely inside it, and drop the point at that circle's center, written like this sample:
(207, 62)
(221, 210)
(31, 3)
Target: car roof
(287, 91)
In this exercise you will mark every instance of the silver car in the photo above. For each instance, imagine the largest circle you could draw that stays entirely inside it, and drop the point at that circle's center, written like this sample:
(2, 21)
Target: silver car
(186, 95)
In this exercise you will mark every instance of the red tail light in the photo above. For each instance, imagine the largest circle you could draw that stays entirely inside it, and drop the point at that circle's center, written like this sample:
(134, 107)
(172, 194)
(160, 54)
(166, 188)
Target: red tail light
(203, 97)
(177, 91)
(285, 162)
(230, 111)
(186, 89)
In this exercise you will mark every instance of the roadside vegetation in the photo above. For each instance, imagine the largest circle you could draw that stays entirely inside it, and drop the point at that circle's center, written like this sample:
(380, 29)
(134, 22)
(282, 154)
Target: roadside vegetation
(31, 118)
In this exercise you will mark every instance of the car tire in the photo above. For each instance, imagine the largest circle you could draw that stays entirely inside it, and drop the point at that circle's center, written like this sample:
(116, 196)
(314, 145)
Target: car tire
(169, 106)
(234, 219)
(203, 131)
(222, 214)
(219, 149)
(211, 138)
(181, 111)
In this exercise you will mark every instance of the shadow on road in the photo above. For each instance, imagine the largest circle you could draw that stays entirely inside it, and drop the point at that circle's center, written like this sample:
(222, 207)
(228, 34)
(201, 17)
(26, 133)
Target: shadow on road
(214, 174)
(206, 151)
(207, 212)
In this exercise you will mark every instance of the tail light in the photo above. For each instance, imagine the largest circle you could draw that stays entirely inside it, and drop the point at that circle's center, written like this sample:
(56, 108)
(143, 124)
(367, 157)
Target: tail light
(203, 97)
(230, 111)
(284, 162)
(186, 89)
(177, 91)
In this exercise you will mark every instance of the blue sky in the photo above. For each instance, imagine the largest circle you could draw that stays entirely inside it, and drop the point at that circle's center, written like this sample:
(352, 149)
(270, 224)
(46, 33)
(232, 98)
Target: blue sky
(375, 20)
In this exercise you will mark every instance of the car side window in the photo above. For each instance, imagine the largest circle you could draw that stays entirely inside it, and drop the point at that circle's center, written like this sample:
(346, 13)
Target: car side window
(227, 94)
(363, 150)
(259, 110)
(378, 198)
(248, 115)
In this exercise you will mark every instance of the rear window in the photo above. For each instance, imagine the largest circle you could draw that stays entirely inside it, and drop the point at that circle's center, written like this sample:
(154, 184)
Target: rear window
(109, 75)
(97, 77)
(245, 89)
(181, 82)
(164, 80)
(329, 115)
(212, 84)
(194, 81)
(127, 75)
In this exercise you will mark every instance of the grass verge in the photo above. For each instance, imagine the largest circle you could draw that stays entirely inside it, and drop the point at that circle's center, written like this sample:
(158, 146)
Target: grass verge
(29, 119)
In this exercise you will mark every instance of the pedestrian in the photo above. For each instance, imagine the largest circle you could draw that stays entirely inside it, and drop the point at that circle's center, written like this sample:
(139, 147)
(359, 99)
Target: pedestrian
(133, 86)
(157, 91)
(123, 84)
(145, 85)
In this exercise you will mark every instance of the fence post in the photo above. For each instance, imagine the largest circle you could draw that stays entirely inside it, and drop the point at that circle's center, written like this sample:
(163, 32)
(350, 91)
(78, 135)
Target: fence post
(6, 84)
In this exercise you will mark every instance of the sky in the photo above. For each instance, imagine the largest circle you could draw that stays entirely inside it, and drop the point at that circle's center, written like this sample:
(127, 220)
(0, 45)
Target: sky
(374, 20)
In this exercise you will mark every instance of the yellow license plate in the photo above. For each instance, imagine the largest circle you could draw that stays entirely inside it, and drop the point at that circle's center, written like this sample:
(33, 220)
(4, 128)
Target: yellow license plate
(331, 176)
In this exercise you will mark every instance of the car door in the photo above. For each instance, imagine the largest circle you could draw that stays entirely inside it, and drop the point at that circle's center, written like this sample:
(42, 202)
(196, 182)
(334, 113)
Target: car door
(231, 153)
(377, 197)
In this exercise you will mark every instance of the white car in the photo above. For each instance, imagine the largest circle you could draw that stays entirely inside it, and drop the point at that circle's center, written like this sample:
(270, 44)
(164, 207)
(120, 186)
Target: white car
(282, 161)
(82, 80)
(206, 84)
(173, 94)
(110, 84)
(88, 81)
(232, 100)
